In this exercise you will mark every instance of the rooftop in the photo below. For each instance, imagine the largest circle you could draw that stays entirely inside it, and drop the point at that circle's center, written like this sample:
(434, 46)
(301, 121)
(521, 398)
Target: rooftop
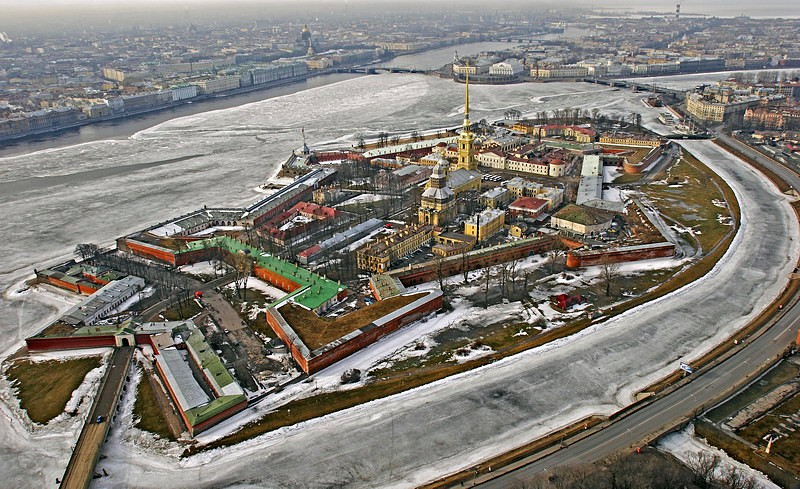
(215, 371)
(583, 215)
(315, 290)
(386, 286)
(486, 216)
(528, 203)
(316, 332)
(175, 366)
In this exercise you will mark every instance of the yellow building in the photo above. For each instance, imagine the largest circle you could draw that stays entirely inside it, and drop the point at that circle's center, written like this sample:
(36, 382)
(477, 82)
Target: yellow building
(518, 230)
(639, 141)
(449, 244)
(486, 224)
(716, 110)
(438, 200)
(377, 256)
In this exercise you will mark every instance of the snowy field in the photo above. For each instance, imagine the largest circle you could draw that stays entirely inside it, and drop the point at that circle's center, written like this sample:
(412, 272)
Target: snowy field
(685, 446)
(96, 192)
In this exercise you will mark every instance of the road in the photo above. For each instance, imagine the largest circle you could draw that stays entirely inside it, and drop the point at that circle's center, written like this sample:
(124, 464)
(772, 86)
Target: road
(676, 407)
(80, 469)
(670, 410)
(790, 176)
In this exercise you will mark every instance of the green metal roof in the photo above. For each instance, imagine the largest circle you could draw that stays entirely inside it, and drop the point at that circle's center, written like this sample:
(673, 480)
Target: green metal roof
(202, 413)
(315, 290)
(209, 359)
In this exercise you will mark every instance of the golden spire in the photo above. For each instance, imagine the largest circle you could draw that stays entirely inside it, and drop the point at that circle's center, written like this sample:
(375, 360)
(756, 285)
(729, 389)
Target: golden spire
(466, 101)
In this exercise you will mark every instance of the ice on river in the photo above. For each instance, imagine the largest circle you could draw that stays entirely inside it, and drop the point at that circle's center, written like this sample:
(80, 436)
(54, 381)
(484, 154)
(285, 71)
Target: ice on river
(96, 192)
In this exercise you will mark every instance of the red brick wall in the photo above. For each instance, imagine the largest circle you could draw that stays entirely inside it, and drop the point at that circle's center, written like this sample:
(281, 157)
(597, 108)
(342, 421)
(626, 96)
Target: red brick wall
(343, 350)
(142, 249)
(63, 285)
(293, 350)
(429, 273)
(69, 342)
(143, 339)
(575, 259)
(219, 418)
(273, 278)
(363, 340)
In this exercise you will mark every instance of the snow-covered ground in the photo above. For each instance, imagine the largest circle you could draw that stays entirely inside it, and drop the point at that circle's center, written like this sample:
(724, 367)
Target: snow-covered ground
(407, 438)
(363, 198)
(685, 447)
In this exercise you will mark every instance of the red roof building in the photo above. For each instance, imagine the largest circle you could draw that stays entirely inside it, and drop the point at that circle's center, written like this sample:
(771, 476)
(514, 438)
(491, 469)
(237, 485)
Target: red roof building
(527, 208)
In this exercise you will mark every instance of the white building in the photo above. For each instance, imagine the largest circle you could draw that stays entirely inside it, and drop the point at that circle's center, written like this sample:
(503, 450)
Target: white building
(183, 92)
(509, 67)
(104, 301)
(493, 158)
(220, 84)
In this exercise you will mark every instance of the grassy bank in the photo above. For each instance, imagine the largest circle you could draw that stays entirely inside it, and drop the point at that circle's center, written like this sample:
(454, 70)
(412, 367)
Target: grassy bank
(148, 411)
(44, 388)
(691, 196)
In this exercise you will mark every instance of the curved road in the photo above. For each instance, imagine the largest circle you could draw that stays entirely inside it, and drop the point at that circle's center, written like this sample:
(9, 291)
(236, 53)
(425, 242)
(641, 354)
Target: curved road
(674, 408)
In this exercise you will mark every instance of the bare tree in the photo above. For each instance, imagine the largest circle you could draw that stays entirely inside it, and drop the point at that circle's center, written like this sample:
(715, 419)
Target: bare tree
(360, 144)
(733, 478)
(465, 262)
(554, 259)
(487, 277)
(703, 465)
(609, 274)
(439, 266)
(243, 266)
(87, 251)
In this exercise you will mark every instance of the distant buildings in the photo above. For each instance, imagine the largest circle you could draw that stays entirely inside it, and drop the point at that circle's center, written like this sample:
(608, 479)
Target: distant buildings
(569, 71)
(720, 103)
(508, 68)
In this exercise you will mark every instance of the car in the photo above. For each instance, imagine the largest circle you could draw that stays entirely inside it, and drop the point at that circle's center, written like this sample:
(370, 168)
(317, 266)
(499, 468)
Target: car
(99, 419)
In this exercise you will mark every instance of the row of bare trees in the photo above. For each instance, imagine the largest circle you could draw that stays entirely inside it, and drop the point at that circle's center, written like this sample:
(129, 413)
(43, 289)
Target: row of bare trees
(167, 282)
(576, 115)
(639, 471)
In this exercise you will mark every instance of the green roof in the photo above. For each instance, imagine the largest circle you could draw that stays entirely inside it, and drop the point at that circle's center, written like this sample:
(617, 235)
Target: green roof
(202, 413)
(314, 291)
(209, 359)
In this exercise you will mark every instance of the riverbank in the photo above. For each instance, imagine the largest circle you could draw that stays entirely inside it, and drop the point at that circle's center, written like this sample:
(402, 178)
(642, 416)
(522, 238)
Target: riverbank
(127, 125)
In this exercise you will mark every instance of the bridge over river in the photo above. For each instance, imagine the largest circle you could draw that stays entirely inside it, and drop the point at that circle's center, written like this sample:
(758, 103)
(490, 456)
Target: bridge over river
(80, 469)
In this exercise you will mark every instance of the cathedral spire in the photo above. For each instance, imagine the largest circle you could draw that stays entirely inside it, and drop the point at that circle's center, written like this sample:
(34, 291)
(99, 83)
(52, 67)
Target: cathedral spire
(466, 157)
(466, 102)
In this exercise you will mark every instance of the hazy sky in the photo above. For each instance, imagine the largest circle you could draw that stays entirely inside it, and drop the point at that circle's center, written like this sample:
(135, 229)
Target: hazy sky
(71, 15)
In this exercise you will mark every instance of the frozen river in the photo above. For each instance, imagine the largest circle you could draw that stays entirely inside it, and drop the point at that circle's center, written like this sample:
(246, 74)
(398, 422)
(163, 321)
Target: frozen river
(98, 191)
